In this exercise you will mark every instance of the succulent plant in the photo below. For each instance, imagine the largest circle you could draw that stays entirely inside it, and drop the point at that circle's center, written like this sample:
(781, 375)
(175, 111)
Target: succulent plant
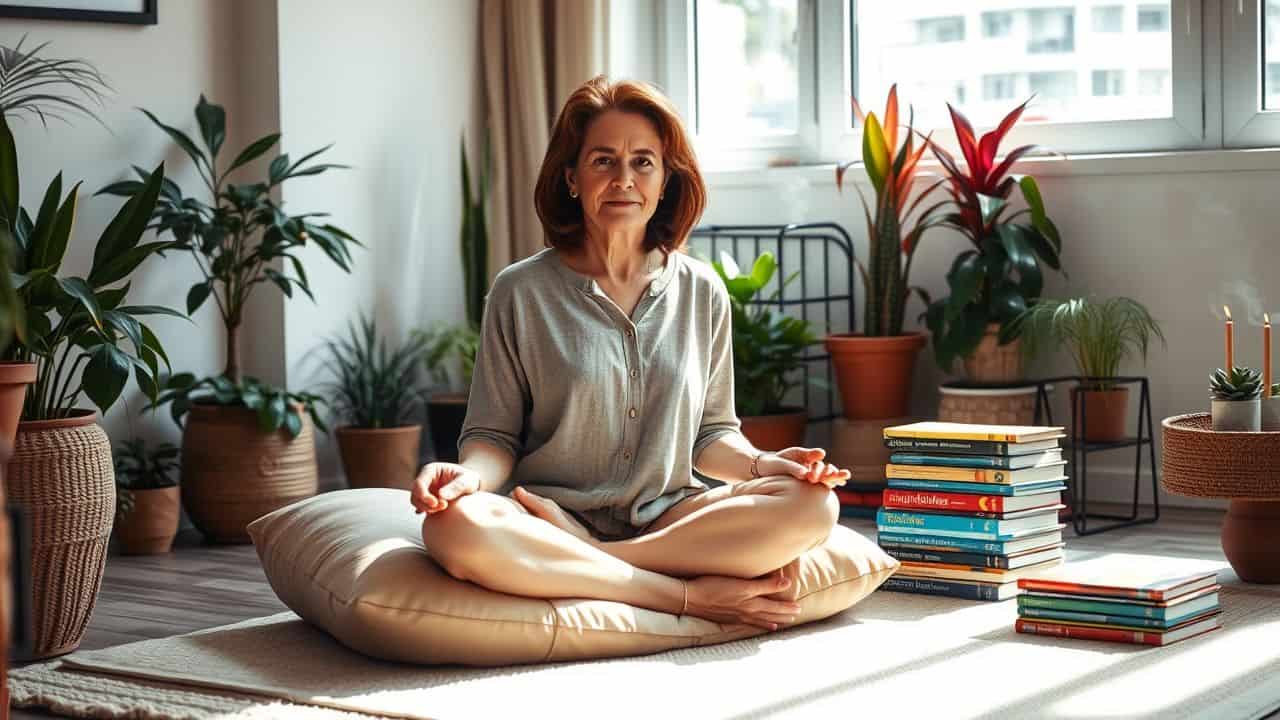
(1241, 383)
(1275, 390)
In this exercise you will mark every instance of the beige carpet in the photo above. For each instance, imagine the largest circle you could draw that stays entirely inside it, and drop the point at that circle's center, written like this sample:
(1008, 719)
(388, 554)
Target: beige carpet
(905, 655)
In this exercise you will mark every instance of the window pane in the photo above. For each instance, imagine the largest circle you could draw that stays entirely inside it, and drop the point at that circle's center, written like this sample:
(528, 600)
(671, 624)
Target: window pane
(748, 73)
(1083, 60)
(1271, 56)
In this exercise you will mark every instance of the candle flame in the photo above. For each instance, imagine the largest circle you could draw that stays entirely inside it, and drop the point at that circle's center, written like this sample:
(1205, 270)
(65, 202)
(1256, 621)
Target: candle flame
(1266, 319)
(1227, 310)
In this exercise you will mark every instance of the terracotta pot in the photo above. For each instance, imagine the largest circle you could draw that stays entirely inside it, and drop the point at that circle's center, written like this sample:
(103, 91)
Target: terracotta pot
(62, 480)
(858, 446)
(445, 415)
(14, 379)
(992, 362)
(776, 432)
(1104, 416)
(380, 457)
(149, 528)
(233, 473)
(874, 373)
(965, 402)
(1250, 539)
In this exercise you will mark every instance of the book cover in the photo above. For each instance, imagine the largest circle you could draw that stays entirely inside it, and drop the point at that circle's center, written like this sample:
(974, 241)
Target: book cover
(1190, 629)
(889, 539)
(900, 499)
(1011, 490)
(951, 588)
(1003, 462)
(1142, 577)
(1119, 604)
(977, 574)
(918, 523)
(1129, 622)
(971, 431)
(1053, 471)
(969, 447)
(973, 559)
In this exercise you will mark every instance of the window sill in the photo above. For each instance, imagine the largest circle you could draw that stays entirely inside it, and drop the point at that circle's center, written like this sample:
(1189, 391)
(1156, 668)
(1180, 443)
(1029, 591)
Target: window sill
(1146, 163)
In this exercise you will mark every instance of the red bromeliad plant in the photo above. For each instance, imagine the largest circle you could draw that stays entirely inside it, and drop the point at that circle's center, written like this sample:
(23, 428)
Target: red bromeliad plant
(891, 238)
(1001, 275)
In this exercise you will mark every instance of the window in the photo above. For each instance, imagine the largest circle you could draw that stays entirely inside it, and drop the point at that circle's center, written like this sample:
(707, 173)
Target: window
(997, 24)
(1052, 30)
(1153, 18)
(1108, 19)
(1052, 87)
(939, 30)
(998, 87)
(1271, 56)
(747, 67)
(1108, 83)
(1153, 82)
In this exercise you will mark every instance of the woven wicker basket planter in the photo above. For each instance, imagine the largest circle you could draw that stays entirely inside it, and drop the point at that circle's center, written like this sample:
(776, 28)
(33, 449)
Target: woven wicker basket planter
(233, 473)
(61, 476)
(1241, 466)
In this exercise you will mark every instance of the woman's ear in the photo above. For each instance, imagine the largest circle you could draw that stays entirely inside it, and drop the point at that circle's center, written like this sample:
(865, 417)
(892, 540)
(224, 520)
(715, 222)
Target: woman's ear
(569, 179)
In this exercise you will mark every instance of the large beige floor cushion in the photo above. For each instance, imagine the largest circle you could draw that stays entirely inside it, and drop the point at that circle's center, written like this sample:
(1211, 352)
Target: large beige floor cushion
(352, 562)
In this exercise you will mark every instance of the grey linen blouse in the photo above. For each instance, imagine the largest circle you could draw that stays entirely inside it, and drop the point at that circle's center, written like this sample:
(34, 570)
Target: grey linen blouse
(604, 413)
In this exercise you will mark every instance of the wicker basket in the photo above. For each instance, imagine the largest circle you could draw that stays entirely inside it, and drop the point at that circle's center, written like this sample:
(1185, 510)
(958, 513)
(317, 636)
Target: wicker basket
(61, 476)
(1201, 462)
(988, 406)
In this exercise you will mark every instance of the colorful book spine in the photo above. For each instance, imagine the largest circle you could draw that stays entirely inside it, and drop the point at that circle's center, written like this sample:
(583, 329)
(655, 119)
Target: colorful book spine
(1040, 602)
(983, 488)
(966, 447)
(1121, 621)
(1055, 586)
(930, 586)
(1084, 632)
(967, 559)
(973, 461)
(949, 502)
(889, 539)
(952, 525)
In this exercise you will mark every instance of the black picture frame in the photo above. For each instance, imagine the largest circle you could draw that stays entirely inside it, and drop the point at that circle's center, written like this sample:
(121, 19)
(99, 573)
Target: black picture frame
(146, 16)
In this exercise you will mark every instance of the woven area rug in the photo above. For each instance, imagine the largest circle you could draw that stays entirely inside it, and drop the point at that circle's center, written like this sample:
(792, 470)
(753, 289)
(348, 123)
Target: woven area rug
(911, 655)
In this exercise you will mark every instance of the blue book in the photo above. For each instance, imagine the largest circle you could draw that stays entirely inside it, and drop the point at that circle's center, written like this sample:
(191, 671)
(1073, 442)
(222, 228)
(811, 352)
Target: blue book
(986, 547)
(1201, 602)
(963, 589)
(1120, 621)
(1023, 522)
(1005, 462)
(1030, 488)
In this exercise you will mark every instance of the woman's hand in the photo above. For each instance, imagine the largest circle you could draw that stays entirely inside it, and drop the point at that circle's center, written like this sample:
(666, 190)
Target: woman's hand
(734, 600)
(802, 464)
(439, 483)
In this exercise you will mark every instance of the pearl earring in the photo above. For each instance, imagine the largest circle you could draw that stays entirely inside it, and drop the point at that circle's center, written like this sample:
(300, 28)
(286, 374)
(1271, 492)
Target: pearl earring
(573, 193)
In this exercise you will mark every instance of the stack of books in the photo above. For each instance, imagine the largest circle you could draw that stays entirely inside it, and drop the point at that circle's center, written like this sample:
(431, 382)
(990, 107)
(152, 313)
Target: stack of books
(861, 501)
(971, 509)
(1139, 599)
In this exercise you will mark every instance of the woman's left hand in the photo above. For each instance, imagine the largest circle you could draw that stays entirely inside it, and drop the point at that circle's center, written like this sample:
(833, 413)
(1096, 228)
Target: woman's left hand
(802, 464)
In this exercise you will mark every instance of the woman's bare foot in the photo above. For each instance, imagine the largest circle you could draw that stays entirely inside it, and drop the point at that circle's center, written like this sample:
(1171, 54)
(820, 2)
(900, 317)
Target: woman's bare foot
(548, 510)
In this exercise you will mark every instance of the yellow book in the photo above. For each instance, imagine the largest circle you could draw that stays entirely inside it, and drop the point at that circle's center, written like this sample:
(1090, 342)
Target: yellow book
(969, 431)
(1052, 471)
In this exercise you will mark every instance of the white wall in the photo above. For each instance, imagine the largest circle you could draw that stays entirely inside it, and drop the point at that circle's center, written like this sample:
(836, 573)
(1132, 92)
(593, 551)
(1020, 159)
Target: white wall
(395, 90)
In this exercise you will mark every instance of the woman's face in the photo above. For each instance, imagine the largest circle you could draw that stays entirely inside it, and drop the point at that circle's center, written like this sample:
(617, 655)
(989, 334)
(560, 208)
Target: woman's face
(619, 176)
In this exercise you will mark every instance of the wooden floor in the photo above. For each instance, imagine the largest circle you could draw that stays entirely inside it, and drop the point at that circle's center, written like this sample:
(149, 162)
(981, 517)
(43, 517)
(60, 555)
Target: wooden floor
(199, 586)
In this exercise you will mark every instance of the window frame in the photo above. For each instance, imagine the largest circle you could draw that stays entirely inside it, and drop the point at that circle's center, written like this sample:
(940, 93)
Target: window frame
(1245, 122)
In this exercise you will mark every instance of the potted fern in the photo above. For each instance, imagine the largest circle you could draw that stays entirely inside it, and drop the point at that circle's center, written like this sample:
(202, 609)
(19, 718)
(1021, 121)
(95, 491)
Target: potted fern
(376, 397)
(1234, 399)
(1099, 336)
(147, 502)
(768, 350)
(874, 368)
(237, 429)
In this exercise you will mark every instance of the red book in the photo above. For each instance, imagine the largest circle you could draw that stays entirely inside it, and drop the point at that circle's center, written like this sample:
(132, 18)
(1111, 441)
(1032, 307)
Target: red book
(897, 498)
(1197, 626)
(854, 498)
(1124, 575)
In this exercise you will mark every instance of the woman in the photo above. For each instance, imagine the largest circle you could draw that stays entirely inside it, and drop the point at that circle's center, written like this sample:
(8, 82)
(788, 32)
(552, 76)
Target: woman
(604, 376)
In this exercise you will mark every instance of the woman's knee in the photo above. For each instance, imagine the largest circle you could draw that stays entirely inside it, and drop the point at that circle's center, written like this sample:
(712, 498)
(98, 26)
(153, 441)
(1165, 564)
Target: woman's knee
(456, 538)
(813, 509)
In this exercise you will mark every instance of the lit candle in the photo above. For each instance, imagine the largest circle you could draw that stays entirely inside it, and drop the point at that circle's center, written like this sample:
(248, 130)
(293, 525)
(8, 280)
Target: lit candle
(1230, 359)
(1266, 355)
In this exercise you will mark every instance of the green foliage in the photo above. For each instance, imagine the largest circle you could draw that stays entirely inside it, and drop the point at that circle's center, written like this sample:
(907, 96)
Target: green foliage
(138, 468)
(276, 407)
(244, 238)
(30, 83)
(1099, 335)
(1275, 390)
(768, 347)
(450, 354)
(77, 327)
(1241, 383)
(374, 386)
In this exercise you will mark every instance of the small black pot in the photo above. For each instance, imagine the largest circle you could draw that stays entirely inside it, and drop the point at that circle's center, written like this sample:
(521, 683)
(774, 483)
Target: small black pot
(445, 414)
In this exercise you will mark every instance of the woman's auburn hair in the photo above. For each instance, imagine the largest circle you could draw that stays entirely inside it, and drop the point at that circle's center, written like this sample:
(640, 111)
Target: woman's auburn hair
(685, 195)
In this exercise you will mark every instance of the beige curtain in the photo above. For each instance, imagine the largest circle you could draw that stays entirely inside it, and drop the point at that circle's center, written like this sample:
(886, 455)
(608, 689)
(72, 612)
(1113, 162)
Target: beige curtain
(536, 52)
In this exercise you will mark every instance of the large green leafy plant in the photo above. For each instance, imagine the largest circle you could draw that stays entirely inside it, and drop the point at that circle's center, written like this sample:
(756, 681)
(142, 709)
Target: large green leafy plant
(374, 385)
(240, 239)
(82, 337)
(768, 347)
(1000, 276)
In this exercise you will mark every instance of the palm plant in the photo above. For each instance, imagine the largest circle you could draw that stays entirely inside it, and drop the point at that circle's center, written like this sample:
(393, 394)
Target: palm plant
(29, 83)
(892, 239)
(374, 386)
(1099, 335)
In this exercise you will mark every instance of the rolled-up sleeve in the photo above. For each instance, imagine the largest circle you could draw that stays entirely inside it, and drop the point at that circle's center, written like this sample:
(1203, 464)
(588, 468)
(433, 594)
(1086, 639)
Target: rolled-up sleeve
(719, 416)
(499, 397)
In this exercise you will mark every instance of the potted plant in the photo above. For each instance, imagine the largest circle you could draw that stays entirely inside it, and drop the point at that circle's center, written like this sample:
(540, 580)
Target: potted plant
(874, 368)
(376, 397)
(1234, 399)
(1099, 336)
(1001, 275)
(147, 503)
(768, 349)
(447, 408)
(247, 447)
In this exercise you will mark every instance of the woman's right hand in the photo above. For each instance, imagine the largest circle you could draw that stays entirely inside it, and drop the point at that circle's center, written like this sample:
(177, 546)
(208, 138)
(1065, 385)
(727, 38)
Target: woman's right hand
(734, 600)
(439, 483)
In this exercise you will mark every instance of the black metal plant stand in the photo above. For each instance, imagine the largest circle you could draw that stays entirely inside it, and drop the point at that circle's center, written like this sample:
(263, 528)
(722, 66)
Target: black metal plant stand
(1079, 450)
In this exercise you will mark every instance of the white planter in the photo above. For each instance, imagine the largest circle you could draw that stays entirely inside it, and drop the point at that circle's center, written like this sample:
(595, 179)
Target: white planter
(1270, 412)
(1236, 415)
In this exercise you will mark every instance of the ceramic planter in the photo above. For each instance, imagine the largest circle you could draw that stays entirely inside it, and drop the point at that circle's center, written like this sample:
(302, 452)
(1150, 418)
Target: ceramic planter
(992, 362)
(1236, 415)
(445, 415)
(1100, 414)
(1269, 410)
(149, 528)
(874, 373)
(380, 457)
(776, 432)
(14, 379)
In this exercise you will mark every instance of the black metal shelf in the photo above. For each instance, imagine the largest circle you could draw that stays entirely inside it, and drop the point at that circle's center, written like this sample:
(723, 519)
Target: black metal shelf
(1078, 452)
